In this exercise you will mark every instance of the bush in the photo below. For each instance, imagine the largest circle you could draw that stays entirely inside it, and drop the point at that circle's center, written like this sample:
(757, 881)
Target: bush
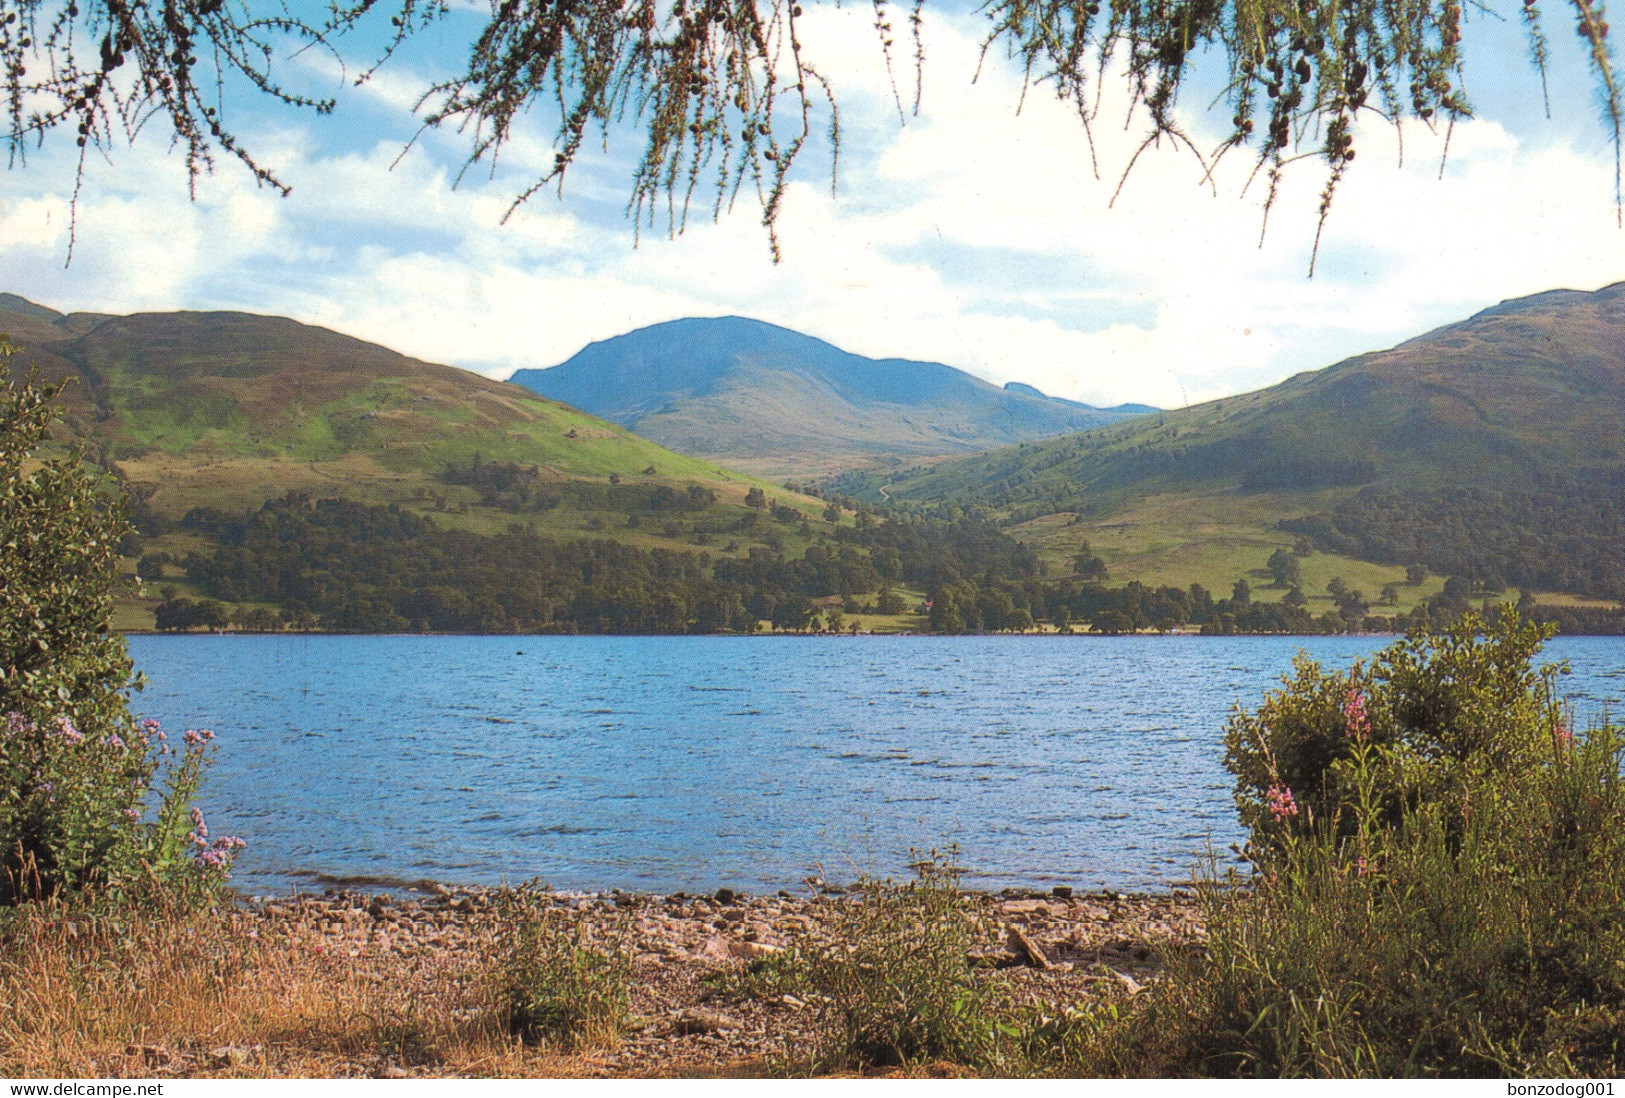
(77, 771)
(896, 974)
(1439, 883)
(559, 979)
(1432, 718)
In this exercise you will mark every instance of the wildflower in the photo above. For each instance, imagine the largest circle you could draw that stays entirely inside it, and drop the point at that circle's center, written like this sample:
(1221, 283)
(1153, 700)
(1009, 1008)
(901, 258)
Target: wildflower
(1280, 803)
(150, 726)
(1565, 733)
(15, 724)
(218, 855)
(197, 737)
(70, 734)
(132, 813)
(1362, 866)
(1355, 717)
(114, 740)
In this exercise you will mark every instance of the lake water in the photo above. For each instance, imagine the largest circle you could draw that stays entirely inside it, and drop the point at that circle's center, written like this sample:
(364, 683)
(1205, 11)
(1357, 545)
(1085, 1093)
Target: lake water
(656, 763)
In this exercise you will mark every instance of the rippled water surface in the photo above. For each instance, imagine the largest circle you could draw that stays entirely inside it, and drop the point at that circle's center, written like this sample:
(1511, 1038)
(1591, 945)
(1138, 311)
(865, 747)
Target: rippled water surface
(690, 762)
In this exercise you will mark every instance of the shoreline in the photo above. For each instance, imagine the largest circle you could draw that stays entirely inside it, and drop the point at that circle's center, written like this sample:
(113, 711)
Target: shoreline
(326, 885)
(685, 952)
(352, 984)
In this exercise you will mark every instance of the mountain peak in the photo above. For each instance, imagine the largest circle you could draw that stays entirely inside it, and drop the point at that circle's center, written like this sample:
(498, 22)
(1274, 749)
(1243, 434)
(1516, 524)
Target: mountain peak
(772, 400)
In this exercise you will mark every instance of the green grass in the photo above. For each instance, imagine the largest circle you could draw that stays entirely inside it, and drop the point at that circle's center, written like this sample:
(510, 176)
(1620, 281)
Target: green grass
(1214, 540)
(560, 978)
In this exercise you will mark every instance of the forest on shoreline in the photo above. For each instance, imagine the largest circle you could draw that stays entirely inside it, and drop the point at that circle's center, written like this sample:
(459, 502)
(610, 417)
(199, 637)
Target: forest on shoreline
(340, 566)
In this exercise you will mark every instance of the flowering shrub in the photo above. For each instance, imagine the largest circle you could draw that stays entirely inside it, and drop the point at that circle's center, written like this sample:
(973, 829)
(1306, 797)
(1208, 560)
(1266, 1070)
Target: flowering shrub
(89, 797)
(1441, 888)
(1425, 722)
(77, 811)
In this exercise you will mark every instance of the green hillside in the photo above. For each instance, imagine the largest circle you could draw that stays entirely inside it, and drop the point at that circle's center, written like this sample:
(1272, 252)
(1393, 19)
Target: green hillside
(1493, 448)
(213, 414)
(211, 407)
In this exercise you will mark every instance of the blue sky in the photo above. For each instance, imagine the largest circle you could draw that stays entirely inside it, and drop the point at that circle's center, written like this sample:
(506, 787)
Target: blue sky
(968, 235)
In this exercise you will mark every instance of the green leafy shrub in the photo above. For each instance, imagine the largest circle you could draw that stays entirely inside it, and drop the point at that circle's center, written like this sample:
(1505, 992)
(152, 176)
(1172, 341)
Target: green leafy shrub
(895, 975)
(1439, 885)
(1428, 721)
(78, 773)
(560, 979)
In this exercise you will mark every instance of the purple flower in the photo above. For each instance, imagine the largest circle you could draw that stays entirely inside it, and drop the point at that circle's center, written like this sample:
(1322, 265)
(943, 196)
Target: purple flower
(114, 740)
(15, 724)
(218, 856)
(1355, 717)
(1280, 803)
(70, 734)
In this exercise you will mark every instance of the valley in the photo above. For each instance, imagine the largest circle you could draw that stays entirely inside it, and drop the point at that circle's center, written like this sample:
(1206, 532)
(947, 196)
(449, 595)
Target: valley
(459, 503)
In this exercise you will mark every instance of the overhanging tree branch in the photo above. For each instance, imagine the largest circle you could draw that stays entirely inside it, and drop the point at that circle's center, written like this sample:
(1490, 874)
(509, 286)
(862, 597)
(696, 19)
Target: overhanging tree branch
(724, 92)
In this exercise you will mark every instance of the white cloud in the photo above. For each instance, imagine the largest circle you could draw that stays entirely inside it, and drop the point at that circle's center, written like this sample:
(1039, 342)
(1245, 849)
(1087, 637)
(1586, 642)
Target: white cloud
(969, 235)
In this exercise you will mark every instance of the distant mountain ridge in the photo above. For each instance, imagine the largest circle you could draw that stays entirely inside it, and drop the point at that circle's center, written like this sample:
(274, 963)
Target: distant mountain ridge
(1528, 390)
(1024, 389)
(1493, 448)
(773, 401)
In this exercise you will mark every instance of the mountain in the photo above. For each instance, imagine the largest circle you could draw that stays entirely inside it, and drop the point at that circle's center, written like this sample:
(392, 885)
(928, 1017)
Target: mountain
(772, 401)
(222, 411)
(1448, 449)
(206, 407)
(1023, 389)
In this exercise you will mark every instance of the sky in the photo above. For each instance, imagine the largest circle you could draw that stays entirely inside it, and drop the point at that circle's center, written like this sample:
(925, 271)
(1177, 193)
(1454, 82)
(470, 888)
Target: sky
(970, 233)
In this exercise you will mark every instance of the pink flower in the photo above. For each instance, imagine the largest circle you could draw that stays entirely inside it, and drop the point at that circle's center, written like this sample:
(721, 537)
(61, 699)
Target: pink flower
(114, 740)
(1355, 717)
(197, 737)
(1280, 803)
(70, 734)
(218, 856)
(15, 724)
(1362, 866)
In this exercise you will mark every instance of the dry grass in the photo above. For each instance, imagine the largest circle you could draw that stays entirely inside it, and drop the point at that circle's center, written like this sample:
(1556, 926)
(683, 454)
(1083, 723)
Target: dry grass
(203, 997)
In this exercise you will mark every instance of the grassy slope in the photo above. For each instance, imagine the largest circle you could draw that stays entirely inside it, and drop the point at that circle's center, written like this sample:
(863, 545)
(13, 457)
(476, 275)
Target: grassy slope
(227, 410)
(1527, 390)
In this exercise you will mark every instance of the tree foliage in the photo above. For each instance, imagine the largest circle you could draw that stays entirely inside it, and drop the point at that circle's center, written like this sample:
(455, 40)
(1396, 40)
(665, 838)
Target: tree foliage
(77, 771)
(724, 93)
(1438, 886)
(59, 536)
(1558, 537)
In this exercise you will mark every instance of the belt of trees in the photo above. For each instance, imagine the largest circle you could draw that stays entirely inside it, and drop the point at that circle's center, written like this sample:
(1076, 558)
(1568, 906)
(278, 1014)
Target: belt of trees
(354, 567)
(1559, 538)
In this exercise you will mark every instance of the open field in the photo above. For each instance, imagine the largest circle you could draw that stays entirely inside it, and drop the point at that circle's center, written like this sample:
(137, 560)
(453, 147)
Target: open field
(1177, 539)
